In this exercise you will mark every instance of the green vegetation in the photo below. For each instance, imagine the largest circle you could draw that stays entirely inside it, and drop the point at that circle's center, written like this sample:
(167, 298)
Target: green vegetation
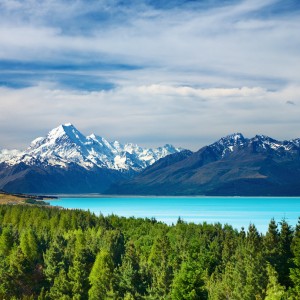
(36, 202)
(51, 253)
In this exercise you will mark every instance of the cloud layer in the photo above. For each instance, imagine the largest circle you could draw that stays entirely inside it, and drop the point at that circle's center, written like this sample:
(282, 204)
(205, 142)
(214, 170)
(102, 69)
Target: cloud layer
(187, 72)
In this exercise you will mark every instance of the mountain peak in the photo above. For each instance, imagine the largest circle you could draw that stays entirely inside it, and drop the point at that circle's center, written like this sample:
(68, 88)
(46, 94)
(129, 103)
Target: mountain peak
(228, 144)
(234, 139)
(64, 145)
(66, 130)
(235, 136)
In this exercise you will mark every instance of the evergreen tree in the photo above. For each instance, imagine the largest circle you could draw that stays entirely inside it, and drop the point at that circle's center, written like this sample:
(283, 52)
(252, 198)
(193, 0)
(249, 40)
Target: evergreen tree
(188, 282)
(29, 245)
(295, 272)
(229, 246)
(160, 268)
(254, 265)
(19, 272)
(78, 272)
(274, 290)
(221, 285)
(61, 288)
(128, 279)
(285, 254)
(78, 277)
(101, 276)
(244, 275)
(6, 283)
(271, 243)
(113, 241)
(6, 241)
(54, 259)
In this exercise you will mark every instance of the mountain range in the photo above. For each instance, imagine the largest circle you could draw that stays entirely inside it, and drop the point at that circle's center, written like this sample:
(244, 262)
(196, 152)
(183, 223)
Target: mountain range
(232, 166)
(66, 161)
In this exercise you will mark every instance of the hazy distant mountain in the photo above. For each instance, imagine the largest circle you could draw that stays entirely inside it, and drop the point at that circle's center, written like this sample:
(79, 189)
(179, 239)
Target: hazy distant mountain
(6, 154)
(234, 165)
(66, 161)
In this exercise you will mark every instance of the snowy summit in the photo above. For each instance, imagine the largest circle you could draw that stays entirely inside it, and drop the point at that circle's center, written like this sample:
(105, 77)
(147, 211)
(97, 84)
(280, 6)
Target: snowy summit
(65, 144)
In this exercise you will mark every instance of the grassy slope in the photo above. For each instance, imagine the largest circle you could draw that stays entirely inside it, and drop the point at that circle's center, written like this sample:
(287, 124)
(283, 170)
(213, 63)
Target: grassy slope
(11, 199)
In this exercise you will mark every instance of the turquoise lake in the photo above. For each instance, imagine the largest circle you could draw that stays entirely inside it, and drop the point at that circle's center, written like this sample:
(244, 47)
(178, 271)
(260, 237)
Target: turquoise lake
(236, 211)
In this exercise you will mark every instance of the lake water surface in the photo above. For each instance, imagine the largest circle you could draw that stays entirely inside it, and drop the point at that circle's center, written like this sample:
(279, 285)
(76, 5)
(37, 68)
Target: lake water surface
(236, 211)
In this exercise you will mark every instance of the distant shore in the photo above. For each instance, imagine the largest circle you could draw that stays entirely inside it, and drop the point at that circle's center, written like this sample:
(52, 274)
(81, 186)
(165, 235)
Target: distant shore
(96, 195)
(19, 198)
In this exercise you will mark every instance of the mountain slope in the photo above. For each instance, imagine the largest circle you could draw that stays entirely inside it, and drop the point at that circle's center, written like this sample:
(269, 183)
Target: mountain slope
(22, 178)
(66, 161)
(232, 166)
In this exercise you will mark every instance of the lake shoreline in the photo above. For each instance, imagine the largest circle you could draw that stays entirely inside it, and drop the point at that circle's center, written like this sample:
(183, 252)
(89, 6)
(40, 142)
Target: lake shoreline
(235, 211)
(93, 195)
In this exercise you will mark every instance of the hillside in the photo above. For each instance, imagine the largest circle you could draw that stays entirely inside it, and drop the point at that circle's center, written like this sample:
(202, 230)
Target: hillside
(232, 166)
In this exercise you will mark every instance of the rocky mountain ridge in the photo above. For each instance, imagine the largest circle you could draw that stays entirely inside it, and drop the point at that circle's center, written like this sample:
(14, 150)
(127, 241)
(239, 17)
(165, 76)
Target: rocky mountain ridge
(232, 166)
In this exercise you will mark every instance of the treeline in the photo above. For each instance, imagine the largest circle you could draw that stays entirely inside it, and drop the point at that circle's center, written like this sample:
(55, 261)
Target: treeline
(51, 253)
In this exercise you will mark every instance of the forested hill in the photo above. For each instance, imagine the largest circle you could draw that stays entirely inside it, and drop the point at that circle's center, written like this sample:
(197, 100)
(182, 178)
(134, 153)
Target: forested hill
(50, 253)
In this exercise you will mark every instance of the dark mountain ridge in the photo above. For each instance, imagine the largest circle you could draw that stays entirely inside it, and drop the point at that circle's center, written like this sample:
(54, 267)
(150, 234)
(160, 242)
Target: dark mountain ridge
(232, 166)
(22, 178)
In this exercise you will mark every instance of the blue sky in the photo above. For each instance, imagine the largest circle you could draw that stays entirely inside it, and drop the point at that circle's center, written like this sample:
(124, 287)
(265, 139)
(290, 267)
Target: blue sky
(149, 72)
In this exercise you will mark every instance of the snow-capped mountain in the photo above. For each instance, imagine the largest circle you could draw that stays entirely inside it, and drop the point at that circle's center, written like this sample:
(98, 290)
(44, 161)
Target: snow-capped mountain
(65, 145)
(232, 166)
(228, 144)
(66, 161)
(258, 144)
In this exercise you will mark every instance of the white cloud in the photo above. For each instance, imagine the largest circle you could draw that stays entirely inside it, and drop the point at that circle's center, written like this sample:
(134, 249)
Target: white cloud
(203, 73)
(181, 115)
(186, 91)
